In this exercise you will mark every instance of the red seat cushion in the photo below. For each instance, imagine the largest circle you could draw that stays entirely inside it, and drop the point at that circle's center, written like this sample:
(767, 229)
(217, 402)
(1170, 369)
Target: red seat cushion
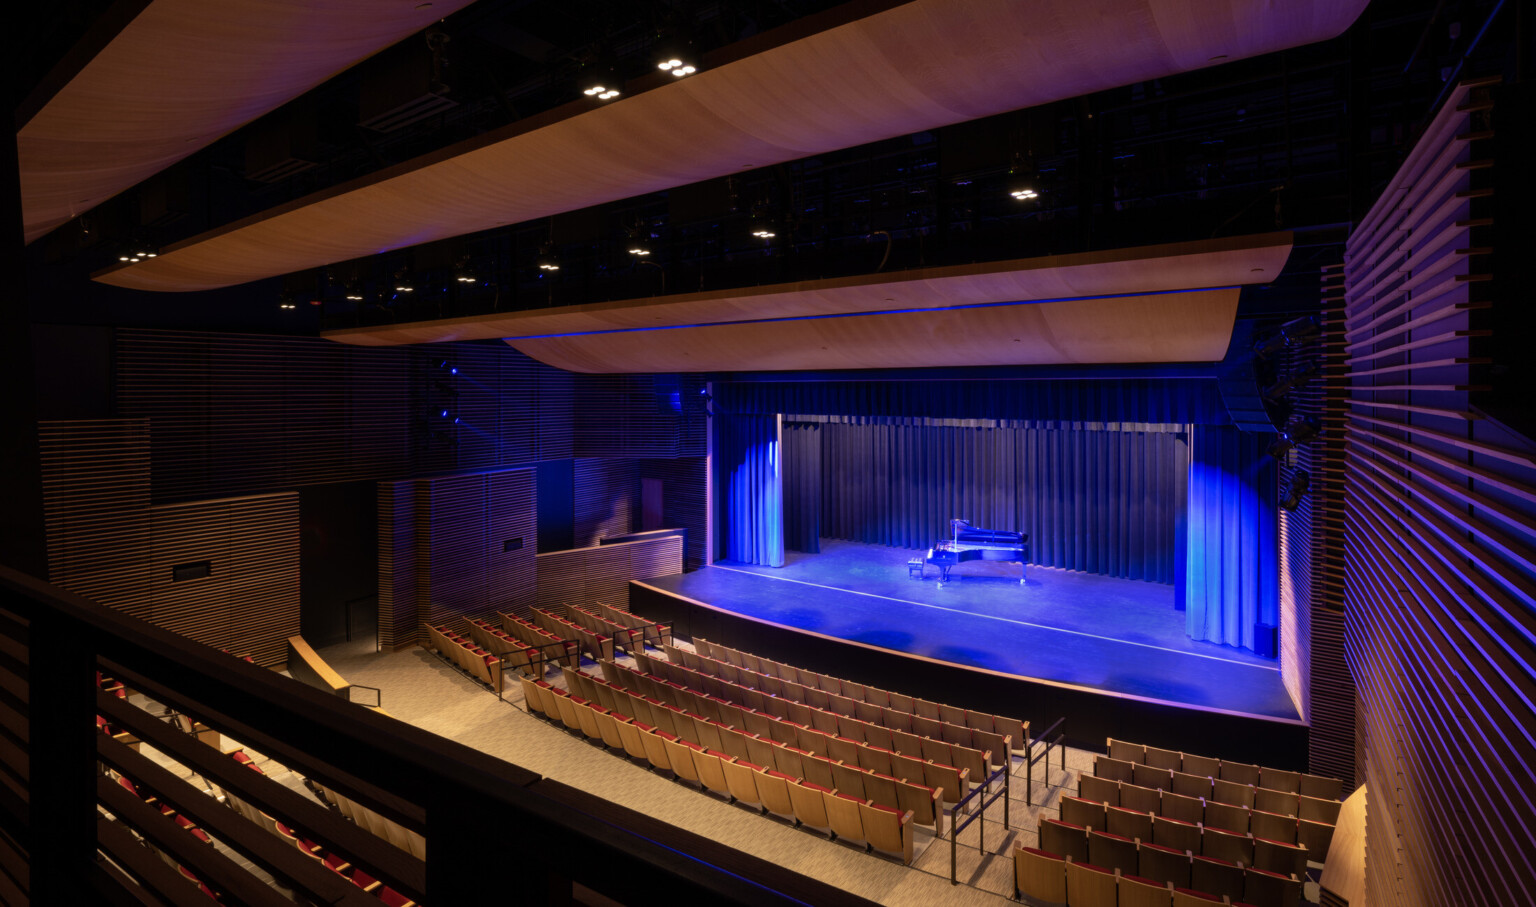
(1044, 853)
(813, 786)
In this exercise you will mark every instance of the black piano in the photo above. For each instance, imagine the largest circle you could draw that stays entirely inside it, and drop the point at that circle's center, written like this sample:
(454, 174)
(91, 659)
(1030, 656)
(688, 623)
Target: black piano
(967, 543)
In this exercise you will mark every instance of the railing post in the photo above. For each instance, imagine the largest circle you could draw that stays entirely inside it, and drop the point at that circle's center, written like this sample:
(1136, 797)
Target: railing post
(62, 768)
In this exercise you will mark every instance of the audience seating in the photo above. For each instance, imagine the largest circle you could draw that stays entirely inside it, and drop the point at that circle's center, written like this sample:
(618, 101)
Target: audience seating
(1139, 892)
(550, 646)
(1270, 889)
(1087, 813)
(1017, 731)
(1039, 875)
(1071, 841)
(810, 808)
(1099, 790)
(1129, 823)
(1089, 885)
(598, 645)
(657, 634)
(1163, 864)
(1176, 834)
(1112, 851)
(471, 658)
(522, 657)
(1222, 878)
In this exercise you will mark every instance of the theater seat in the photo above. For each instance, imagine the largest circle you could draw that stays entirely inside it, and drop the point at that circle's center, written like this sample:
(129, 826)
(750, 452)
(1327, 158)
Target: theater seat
(1091, 886)
(1040, 876)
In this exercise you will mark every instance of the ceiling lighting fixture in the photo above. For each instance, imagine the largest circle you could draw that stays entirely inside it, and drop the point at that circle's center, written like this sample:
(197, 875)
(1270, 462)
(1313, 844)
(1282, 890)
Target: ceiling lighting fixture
(462, 272)
(137, 252)
(677, 67)
(546, 260)
(1023, 193)
(403, 283)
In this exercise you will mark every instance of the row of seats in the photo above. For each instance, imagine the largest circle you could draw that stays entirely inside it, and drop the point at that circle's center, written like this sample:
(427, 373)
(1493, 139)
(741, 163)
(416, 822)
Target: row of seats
(1219, 790)
(553, 646)
(332, 861)
(522, 657)
(1169, 849)
(800, 715)
(938, 769)
(911, 792)
(1048, 878)
(598, 645)
(802, 704)
(630, 639)
(657, 634)
(185, 823)
(1261, 777)
(409, 841)
(1113, 798)
(1016, 730)
(837, 812)
(472, 659)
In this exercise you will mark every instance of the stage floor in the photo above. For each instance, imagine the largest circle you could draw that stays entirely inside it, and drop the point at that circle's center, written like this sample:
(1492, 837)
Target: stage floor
(1095, 633)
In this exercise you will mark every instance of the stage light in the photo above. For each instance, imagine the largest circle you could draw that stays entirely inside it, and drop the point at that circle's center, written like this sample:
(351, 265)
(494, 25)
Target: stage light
(1294, 434)
(1023, 193)
(1301, 481)
(1299, 379)
(677, 67)
(639, 250)
(403, 282)
(1291, 334)
(462, 272)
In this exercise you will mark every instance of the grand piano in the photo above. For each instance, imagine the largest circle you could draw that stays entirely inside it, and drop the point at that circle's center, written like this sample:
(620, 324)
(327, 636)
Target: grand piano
(967, 543)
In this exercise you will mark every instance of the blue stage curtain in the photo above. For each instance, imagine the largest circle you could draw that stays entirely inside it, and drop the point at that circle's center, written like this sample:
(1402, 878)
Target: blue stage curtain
(751, 482)
(1232, 581)
(802, 487)
(1103, 502)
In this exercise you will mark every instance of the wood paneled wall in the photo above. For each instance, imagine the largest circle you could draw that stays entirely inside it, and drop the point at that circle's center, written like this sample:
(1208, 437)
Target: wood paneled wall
(243, 413)
(107, 542)
(607, 499)
(581, 576)
(685, 501)
(640, 416)
(444, 552)
(1440, 536)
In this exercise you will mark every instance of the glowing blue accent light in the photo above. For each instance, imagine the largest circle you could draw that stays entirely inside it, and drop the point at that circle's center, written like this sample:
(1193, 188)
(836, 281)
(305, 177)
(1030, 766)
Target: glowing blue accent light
(444, 414)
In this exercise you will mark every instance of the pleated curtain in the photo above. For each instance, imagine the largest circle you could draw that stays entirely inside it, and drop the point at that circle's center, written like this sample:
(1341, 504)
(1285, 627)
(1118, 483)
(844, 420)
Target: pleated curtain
(802, 487)
(1103, 502)
(1232, 582)
(751, 484)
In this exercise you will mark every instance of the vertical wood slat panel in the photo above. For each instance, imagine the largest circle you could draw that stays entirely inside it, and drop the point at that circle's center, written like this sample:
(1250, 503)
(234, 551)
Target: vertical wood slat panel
(1439, 587)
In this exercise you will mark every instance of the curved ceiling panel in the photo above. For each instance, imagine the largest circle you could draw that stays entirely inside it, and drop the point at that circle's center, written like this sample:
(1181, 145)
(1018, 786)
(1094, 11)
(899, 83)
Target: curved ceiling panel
(1192, 326)
(1227, 262)
(183, 73)
(917, 66)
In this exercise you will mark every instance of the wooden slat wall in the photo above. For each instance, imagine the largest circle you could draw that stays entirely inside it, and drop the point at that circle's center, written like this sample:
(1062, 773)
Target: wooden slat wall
(1330, 692)
(96, 496)
(106, 542)
(607, 499)
(1439, 589)
(441, 554)
(398, 620)
(633, 416)
(582, 576)
(239, 414)
(685, 501)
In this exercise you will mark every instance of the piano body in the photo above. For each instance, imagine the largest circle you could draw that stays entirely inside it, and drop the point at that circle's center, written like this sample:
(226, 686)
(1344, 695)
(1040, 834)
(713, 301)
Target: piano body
(968, 543)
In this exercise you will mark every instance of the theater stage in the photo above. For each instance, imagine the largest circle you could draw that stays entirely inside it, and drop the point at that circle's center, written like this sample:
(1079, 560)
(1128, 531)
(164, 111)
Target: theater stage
(1109, 654)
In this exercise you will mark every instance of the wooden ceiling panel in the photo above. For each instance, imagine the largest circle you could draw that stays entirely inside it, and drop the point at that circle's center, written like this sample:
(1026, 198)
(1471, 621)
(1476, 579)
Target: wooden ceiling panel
(1193, 326)
(917, 66)
(181, 74)
(1227, 262)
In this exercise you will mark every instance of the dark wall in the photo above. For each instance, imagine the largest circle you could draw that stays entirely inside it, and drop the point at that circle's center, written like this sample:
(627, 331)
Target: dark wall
(338, 561)
(555, 481)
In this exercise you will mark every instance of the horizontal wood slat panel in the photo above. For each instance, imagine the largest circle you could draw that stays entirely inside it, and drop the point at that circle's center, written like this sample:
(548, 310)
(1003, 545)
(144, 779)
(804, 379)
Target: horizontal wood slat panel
(107, 542)
(586, 576)
(607, 499)
(1439, 584)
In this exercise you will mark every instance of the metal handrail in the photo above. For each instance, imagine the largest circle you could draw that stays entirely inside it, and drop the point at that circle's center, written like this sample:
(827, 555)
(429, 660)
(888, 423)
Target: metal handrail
(981, 836)
(1030, 758)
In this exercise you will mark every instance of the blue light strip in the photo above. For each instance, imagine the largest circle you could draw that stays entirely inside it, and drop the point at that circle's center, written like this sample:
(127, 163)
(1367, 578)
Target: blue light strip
(951, 308)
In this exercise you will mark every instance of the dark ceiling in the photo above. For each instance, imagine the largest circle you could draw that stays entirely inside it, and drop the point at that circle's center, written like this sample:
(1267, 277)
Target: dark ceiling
(1300, 140)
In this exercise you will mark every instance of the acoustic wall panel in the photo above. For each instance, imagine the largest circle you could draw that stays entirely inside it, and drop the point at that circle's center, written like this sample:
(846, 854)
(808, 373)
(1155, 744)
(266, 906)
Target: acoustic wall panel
(96, 498)
(454, 547)
(1440, 550)
(583, 576)
(640, 416)
(238, 583)
(239, 414)
(685, 501)
(607, 499)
